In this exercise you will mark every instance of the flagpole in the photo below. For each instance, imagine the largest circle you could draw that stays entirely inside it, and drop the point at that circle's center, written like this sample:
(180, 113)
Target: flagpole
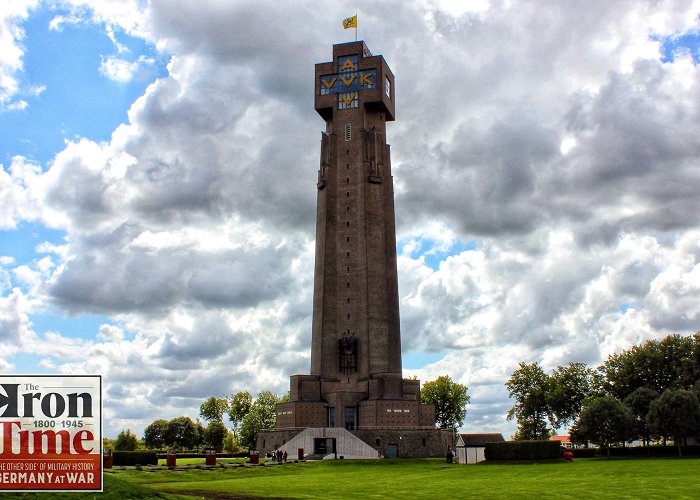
(355, 26)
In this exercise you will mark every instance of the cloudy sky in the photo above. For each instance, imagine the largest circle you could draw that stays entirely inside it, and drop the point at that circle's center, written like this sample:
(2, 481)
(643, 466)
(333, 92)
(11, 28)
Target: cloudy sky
(158, 184)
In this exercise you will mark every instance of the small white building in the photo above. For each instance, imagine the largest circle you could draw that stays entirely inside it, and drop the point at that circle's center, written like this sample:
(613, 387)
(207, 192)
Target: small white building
(470, 447)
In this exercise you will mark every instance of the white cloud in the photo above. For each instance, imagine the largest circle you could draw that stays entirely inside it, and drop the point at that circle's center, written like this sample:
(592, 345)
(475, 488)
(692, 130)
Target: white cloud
(12, 14)
(17, 195)
(554, 139)
(123, 71)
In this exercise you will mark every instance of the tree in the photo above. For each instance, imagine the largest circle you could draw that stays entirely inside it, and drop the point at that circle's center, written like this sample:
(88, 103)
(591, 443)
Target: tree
(262, 414)
(126, 441)
(240, 405)
(529, 386)
(183, 433)
(639, 402)
(450, 400)
(213, 409)
(231, 444)
(603, 421)
(675, 413)
(214, 435)
(671, 362)
(569, 387)
(154, 436)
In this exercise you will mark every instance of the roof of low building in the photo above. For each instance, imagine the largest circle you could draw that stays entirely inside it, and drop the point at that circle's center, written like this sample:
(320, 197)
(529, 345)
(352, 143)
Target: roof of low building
(481, 439)
(561, 439)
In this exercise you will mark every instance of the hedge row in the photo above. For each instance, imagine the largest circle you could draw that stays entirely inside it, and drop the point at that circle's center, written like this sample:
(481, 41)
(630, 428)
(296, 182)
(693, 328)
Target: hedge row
(522, 450)
(194, 454)
(638, 451)
(140, 457)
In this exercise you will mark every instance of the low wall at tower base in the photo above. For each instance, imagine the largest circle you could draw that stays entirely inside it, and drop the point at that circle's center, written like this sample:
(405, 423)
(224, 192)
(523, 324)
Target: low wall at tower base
(420, 442)
(411, 442)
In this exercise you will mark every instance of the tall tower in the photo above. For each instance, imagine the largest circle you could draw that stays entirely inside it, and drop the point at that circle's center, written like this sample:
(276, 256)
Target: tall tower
(356, 343)
(355, 380)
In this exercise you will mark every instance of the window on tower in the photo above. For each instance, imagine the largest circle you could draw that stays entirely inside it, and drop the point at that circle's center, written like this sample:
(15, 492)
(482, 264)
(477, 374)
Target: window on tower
(348, 101)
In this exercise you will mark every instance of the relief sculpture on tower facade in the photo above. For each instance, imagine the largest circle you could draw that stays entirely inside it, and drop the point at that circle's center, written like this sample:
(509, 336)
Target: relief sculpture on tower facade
(327, 145)
(373, 152)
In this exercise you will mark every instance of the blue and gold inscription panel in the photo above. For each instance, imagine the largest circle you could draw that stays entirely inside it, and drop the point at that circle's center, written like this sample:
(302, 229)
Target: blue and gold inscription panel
(348, 81)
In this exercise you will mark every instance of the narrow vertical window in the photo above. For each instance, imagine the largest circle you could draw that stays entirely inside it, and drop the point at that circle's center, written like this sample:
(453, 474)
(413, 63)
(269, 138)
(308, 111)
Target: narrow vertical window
(348, 134)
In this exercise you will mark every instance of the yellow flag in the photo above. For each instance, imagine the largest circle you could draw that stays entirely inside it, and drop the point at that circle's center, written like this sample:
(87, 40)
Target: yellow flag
(350, 22)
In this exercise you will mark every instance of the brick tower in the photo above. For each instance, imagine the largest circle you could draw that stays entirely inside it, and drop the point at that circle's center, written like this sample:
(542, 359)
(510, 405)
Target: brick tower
(355, 380)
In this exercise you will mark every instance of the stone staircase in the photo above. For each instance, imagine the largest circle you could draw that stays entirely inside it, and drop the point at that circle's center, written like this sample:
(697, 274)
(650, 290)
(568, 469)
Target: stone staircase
(347, 444)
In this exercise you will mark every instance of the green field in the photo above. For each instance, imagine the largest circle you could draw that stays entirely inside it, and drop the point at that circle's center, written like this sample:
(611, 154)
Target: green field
(583, 478)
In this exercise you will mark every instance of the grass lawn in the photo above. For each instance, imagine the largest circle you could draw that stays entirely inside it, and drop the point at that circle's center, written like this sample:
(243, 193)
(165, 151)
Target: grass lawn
(115, 488)
(583, 478)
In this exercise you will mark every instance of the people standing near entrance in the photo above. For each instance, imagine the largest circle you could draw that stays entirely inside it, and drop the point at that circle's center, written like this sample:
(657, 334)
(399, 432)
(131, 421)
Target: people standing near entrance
(284, 457)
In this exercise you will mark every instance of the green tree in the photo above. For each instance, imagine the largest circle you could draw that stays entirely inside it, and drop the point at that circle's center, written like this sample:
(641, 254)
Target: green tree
(126, 441)
(183, 433)
(529, 386)
(671, 362)
(639, 402)
(231, 444)
(214, 409)
(240, 405)
(261, 415)
(603, 421)
(569, 386)
(450, 400)
(154, 436)
(214, 435)
(675, 413)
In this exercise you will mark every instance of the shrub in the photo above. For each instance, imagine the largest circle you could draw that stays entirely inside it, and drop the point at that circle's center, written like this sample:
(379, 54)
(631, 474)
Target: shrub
(522, 450)
(142, 457)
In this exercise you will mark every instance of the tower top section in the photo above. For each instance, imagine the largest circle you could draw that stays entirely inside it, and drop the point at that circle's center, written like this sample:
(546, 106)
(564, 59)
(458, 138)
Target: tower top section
(354, 79)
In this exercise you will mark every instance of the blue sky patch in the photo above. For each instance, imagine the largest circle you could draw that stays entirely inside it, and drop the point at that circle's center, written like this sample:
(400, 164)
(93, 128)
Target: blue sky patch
(625, 307)
(434, 252)
(21, 243)
(77, 100)
(415, 360)
(30, 364)
(84, 326)
(672, 45)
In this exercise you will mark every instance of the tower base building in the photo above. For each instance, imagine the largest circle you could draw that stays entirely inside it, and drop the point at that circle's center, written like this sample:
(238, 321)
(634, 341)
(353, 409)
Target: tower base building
(355, 401)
